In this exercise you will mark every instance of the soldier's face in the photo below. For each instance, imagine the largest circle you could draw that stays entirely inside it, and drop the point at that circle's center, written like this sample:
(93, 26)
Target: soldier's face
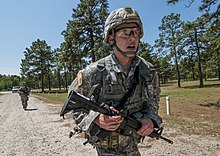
(127, 37)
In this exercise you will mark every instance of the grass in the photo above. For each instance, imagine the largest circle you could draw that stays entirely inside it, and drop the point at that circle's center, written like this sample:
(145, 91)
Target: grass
(57, 98)
(194, 110)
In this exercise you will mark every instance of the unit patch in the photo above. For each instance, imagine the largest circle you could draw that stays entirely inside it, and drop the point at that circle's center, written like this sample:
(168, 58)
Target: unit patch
(79, 78)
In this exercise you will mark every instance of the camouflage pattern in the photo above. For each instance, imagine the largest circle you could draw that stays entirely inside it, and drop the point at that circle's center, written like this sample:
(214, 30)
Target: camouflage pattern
(107, 81)
(126, 146)
(121, 16)
(24, 92)
(130, 150)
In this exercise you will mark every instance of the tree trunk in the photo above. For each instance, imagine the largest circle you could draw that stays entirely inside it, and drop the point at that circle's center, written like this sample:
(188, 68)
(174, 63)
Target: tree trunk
(91, 35)
(199, 60)
(193, 73)
(59, 80)
(218, 64)
(42, 82)
(92, 47)
(218, 72)
(66, 83)
(49, 82)
(177, 70)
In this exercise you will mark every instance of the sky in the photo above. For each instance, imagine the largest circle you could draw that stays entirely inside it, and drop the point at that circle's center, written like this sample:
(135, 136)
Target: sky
(24, 21)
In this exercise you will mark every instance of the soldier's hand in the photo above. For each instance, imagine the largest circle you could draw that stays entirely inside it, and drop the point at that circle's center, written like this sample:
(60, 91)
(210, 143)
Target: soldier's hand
(106, 122)
(147, 127)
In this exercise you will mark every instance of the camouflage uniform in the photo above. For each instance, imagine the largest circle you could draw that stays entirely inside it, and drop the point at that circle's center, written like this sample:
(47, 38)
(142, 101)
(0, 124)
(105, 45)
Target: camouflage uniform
(24, 92)
(107, 81)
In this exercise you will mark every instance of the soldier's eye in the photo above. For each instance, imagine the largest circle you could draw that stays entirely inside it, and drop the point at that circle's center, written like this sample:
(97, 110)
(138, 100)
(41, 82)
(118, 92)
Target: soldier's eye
(127, 32)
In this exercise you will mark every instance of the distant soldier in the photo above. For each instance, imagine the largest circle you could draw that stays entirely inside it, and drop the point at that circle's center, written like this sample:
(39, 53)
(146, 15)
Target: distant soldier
(24, 93)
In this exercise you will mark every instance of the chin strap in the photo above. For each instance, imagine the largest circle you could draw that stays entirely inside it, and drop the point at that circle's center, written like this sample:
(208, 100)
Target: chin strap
(123, 53)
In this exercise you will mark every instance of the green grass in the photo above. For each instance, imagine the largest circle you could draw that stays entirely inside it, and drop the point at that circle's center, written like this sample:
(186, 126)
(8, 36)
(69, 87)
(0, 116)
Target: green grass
(191, 90)
(55, 97)
(194, 110)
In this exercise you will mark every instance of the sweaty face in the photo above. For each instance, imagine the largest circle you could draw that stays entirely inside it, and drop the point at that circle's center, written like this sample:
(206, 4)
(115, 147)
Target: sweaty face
(127, 37)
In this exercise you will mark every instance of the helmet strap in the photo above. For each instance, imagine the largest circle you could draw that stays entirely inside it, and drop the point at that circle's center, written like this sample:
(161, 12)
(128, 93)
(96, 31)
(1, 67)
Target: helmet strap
(123, 53)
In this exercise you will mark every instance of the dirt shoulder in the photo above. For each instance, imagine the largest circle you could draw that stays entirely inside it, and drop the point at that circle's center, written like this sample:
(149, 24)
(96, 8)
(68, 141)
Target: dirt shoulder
(40, 131)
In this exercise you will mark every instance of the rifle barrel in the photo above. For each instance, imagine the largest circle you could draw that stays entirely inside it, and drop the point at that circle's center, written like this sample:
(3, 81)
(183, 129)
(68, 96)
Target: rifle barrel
(165, 139)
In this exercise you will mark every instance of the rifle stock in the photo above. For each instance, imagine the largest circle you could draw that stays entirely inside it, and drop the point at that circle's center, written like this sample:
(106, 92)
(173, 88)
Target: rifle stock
(128, 127)
(86, 105)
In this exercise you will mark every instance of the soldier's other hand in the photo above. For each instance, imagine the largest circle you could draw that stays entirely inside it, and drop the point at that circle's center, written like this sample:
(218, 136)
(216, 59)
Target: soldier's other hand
(106, 122)
(147, 127)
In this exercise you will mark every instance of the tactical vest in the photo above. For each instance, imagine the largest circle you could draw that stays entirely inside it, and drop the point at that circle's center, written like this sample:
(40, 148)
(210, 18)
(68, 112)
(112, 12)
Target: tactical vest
(108, 87)
(112, 89)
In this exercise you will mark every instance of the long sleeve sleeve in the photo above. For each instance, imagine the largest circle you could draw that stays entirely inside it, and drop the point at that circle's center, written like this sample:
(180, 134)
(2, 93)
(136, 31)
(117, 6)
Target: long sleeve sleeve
(151, 93)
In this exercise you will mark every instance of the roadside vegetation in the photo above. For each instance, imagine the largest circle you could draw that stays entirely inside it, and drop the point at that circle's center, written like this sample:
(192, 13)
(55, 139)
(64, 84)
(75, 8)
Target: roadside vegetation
(194, 110)
(56, 98)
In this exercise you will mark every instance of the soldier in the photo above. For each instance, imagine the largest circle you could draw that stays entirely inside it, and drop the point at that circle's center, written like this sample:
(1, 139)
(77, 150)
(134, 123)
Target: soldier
(111, 78)
(24, 93)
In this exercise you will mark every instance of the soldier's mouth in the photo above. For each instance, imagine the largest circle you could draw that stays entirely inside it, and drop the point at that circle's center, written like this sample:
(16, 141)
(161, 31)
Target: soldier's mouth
(131, 47)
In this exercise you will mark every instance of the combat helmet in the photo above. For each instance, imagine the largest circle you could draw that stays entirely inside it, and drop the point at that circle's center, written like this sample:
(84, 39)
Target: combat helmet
(121, 16)
(23, 83)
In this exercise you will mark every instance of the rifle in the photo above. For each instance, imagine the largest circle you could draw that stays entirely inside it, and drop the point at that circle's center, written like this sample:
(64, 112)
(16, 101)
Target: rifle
(128, 127)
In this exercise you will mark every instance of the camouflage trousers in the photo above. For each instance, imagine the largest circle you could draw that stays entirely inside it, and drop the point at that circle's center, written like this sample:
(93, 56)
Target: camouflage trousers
(118, 145)
(24, 100)
(101, 151)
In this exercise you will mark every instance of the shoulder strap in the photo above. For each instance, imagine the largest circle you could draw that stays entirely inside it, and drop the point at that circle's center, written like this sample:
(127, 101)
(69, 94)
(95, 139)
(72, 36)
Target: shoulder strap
(131, 90)
(146, 70)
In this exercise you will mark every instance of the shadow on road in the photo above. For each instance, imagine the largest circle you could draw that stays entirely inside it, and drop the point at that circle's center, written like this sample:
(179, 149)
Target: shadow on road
(28, 109)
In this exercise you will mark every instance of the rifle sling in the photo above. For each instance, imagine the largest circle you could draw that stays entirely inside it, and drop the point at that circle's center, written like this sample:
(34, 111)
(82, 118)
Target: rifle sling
(131, 90)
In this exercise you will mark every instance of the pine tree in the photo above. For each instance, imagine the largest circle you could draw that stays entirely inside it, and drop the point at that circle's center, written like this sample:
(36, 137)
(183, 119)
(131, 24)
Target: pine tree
(37, 62)
(171, 39)
(84, 34)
